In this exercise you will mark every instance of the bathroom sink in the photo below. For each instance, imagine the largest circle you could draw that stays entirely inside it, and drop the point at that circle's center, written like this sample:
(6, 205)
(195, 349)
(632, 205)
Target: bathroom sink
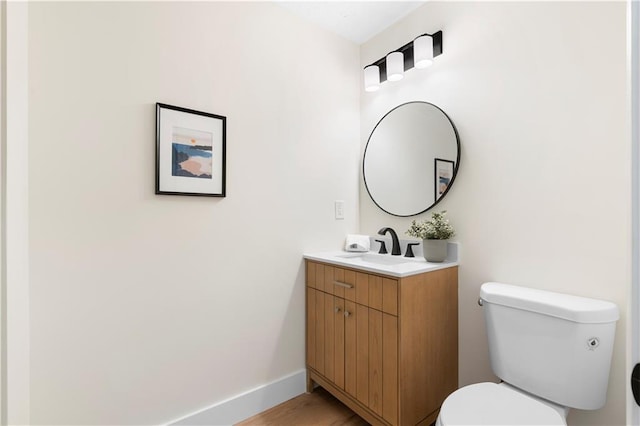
(385, 264)
(378, 259)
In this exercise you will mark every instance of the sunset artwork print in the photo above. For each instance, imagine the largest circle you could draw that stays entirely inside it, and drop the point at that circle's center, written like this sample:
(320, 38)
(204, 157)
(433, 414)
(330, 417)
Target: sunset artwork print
(191, 153)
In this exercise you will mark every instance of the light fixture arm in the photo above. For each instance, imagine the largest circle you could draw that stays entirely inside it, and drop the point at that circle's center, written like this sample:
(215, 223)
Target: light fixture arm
(407, 51)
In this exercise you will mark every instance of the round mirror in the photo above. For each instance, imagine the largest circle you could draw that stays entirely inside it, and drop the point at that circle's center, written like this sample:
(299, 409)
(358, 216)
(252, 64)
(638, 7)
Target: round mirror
(411, 159)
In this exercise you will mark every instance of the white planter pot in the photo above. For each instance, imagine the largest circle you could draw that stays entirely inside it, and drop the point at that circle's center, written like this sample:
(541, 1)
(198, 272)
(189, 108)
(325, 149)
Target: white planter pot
(434, 250)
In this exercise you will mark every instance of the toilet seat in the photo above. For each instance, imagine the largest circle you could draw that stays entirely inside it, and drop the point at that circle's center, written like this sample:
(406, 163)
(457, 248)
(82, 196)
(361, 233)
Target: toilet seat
(494, 404)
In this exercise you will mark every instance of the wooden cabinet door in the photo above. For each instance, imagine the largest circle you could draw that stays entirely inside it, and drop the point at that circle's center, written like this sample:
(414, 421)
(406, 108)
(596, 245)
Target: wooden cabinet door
(338, 339)
(326, 335)
(350, 353)
(390, 368)
(316, 329)
(362, 354)
(375, 369)
(371, 359)
(334, 339)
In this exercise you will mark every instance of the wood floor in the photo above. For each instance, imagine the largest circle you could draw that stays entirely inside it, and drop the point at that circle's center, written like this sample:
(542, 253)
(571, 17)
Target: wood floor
(316, 408)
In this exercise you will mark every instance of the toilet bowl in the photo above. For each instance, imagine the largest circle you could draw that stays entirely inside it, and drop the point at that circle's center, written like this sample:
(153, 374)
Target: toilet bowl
(498, 404)
(551, 350)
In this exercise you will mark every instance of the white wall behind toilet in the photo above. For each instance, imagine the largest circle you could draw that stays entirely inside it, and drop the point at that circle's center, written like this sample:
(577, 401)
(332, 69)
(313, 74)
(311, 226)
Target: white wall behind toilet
(537, 91)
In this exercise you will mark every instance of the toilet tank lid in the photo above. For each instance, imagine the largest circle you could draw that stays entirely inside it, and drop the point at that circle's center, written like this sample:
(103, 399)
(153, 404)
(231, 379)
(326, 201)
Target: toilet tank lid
(572, 308)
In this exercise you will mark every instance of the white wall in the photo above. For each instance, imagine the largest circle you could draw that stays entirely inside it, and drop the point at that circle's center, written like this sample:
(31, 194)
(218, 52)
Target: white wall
(145, 308)
(14, 206)
(537, 92)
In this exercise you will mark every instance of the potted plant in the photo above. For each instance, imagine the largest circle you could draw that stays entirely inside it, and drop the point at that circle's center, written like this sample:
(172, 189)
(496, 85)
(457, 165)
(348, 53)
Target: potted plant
(434, 234)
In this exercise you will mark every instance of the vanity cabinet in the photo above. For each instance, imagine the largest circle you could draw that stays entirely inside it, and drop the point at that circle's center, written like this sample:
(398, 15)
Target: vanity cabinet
(387, 347)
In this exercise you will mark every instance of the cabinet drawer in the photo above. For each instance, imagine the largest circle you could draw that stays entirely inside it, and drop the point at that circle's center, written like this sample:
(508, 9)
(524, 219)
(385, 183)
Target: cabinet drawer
(370, 290)
(323, 277)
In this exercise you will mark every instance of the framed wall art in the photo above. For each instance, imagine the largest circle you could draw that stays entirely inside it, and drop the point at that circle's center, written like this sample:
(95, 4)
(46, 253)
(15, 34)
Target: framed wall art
(190, 152)
(443, 175)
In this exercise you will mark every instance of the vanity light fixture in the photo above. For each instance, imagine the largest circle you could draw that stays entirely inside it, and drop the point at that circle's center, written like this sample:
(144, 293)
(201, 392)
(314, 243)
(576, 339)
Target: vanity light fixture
(371, 78)
(395, 66)
(418, 53)
(423, 51)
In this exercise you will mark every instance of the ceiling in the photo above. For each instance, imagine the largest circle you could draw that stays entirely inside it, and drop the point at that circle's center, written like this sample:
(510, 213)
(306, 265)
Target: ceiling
(357, 21)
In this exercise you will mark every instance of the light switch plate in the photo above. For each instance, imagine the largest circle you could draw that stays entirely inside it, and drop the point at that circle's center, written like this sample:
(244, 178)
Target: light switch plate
(339, 209)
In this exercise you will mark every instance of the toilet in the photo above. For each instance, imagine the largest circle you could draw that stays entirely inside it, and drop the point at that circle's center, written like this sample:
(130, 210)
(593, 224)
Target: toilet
(552, 352)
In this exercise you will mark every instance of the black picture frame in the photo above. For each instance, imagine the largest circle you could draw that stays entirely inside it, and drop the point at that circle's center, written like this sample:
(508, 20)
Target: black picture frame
(190, 152)
(443, 173)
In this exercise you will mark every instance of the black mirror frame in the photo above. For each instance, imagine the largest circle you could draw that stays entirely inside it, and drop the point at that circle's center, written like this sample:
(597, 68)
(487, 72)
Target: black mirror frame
(455, 169)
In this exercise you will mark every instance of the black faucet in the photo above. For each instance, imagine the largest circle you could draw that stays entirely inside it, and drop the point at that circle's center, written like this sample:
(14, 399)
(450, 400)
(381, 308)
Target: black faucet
(395, 250)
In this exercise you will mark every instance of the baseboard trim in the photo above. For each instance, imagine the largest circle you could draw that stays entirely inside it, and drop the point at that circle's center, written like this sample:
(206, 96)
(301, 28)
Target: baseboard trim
(247, 404)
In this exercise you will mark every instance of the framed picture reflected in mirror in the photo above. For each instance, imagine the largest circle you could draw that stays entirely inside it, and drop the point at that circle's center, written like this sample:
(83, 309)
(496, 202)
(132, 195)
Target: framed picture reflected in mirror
(443, 175)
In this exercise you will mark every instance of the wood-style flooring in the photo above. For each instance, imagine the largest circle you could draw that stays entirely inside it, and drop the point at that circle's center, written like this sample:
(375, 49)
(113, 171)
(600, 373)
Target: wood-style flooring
(317, 408)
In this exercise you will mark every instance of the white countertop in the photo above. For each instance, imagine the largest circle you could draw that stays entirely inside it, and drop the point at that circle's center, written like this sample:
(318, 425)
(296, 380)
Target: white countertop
(386, 264)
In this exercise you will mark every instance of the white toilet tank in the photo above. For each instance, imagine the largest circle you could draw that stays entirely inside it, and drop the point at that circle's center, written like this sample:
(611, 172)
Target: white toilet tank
(555, 346)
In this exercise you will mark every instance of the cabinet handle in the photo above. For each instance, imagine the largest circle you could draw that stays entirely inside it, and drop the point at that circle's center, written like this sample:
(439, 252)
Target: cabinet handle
(347, 313)
(337, 309)
(341, 284)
